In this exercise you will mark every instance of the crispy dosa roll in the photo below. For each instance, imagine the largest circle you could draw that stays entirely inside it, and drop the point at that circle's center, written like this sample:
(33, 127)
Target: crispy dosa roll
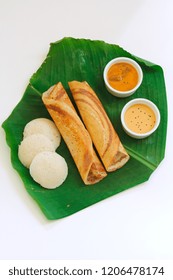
(74, 134)
(100, 128)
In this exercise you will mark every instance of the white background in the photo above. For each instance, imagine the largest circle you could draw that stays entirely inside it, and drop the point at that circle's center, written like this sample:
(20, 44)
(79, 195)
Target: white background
(136, 224)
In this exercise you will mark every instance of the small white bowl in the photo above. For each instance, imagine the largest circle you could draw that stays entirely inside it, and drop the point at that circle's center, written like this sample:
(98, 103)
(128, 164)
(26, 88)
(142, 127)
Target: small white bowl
(114, 91)
(149, 104)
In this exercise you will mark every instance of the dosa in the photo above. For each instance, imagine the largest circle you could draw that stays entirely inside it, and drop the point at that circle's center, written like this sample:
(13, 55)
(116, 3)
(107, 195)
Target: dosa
(74, 134)
(100, 128)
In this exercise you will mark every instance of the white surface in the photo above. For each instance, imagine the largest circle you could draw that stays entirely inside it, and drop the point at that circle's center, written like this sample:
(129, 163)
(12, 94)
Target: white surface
(136, 224)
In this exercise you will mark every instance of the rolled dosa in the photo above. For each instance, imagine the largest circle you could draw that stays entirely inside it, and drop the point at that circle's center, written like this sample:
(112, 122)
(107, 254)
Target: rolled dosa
(100, 128)
(74, 134)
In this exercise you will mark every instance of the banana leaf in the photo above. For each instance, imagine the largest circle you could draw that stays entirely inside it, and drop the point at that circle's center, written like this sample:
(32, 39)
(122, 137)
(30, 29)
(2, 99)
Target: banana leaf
(84, 60)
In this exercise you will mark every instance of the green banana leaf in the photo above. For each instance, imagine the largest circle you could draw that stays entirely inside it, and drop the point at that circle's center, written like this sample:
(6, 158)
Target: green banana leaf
(84, 60)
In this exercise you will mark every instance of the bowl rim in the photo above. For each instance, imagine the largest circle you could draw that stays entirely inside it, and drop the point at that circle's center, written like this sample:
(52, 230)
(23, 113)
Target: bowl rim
(140, 101)
(134, 64)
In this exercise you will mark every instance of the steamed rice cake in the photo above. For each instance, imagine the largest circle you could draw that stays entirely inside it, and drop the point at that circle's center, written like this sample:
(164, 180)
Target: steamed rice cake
(31, 146)
(49, 169)
(43, 126)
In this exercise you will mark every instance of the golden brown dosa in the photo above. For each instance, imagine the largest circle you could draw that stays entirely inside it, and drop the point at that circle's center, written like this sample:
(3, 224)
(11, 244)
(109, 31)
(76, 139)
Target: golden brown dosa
(74, 134)
(100, 128)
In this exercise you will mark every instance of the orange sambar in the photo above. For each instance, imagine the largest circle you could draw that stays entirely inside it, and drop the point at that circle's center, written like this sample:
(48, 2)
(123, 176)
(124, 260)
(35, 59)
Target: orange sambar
(122, 76)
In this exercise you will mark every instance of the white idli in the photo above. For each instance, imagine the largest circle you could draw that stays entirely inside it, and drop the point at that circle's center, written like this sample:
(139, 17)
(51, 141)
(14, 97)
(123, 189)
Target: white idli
(49, 169)
(32, 145)
(43, 126)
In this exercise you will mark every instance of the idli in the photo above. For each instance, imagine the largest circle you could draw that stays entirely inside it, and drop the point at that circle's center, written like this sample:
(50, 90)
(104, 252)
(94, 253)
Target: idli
(31, 146)
(43, 126)
(49, 169)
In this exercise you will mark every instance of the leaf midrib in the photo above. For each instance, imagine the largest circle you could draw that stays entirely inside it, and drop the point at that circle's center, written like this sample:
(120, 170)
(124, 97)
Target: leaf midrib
(140, 158)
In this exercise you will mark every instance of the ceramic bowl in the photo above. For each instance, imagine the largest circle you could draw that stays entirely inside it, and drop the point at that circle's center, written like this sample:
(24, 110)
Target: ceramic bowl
(140, 101)
(114, 91)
